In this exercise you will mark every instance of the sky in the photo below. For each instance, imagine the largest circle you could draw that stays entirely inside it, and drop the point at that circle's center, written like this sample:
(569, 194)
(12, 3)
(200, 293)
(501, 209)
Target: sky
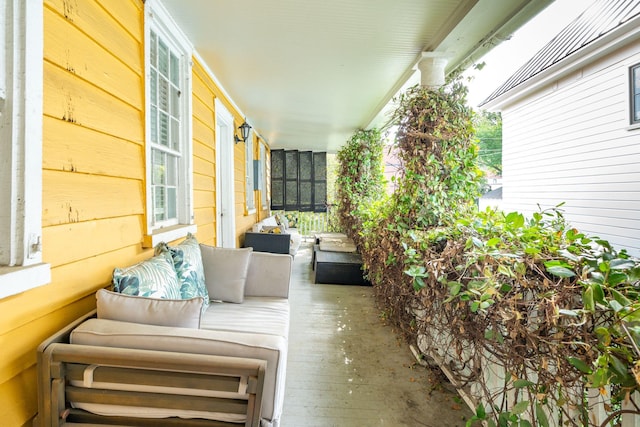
(505, 59)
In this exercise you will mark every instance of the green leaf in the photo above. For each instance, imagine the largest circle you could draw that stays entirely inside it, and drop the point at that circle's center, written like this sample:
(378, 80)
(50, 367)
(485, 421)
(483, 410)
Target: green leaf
(579, 364)
(587, 299)
(520, 407)
(525, 423)
(454, 288)
(621, 264)
(623, 300)
(541, 416)
(474, 306)
(520, 383)
(616, 278)
(515, 219)
(565, 253)
(604, 336)
(619, 369)
(561, 271)
(615, 306)
(598, 294)
(493, 242)
(480, 412)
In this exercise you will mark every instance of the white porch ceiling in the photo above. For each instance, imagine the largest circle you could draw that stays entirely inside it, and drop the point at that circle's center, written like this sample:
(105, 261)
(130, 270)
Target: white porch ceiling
(307, 74)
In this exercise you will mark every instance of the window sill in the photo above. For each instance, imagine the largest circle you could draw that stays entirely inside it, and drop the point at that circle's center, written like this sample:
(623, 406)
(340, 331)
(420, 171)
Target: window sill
(15, 280)
(634, 127)
(168, 234)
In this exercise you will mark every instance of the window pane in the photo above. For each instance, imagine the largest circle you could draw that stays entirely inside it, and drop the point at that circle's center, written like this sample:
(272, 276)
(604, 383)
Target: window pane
(158, 203)
(171, 203)
(159, 160)
(172, 170)
(164, 129)
(154, 124)
(153, 87)
(163, 58)
(153, 55)
(163, 95)
(175, 102)
(175, 70)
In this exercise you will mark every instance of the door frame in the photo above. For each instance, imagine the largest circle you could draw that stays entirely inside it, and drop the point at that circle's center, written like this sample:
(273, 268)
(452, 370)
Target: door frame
(225, 200)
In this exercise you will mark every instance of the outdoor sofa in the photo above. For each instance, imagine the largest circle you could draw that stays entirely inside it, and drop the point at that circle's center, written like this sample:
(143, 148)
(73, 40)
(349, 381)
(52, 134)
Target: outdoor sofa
(153, 361)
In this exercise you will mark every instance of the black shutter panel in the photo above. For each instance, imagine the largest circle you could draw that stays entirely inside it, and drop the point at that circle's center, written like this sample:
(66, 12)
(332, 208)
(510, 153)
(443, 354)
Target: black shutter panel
(277, 179)
(291, 180)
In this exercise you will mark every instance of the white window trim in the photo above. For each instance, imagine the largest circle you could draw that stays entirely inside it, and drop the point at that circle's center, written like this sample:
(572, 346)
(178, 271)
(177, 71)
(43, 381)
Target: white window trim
(21, 171)
(158, 19)
(629, 86)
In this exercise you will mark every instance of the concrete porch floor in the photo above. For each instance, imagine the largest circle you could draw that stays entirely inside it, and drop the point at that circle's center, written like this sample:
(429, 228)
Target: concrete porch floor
(347, 369)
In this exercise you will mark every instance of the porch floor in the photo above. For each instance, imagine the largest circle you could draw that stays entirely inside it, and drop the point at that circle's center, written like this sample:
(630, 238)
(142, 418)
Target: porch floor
(346, 368)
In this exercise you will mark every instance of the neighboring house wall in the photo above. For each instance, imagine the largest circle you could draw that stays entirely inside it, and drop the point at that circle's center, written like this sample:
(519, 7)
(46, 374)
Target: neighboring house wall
(570, 141)
(93, 180)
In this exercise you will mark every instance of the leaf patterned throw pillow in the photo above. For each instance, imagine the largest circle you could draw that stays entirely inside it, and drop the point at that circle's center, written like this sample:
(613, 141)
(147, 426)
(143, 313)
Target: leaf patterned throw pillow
(187, 261)
(154, 278)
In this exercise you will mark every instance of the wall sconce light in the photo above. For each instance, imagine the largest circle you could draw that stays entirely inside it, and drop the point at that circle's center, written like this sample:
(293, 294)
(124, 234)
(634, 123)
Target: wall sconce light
(244, 130)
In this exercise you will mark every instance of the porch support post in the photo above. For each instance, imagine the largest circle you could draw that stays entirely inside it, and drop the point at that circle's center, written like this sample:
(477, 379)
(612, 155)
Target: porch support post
(431, 66)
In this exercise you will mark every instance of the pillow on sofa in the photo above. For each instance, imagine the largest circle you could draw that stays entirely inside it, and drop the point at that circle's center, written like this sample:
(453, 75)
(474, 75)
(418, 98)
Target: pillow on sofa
(187, 261)
(282, 221)
(154, 277)
(271, 229)
(181, 313)
(225, 272)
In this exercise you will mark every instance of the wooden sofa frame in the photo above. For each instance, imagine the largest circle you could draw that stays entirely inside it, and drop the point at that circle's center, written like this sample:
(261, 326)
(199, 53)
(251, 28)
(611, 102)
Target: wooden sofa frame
(59, 363)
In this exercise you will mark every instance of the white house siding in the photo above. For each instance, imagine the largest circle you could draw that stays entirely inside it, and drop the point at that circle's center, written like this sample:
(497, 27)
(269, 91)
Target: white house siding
(571, 142)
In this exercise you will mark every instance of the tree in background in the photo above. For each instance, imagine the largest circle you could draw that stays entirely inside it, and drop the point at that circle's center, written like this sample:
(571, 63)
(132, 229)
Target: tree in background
(489, 133)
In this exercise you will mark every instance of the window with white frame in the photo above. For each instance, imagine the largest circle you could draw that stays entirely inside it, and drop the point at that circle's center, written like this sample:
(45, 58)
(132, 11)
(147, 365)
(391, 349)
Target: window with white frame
(21, 266)
(634, 80)
(168, 95)
(249, 191)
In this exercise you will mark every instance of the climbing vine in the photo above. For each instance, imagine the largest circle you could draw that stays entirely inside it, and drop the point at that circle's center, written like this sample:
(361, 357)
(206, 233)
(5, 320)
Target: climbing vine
(556, 310)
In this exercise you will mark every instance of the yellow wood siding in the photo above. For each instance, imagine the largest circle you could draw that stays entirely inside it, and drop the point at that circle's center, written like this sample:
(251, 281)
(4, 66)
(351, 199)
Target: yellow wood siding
(205, 92)
(94, 177)
(204, 155)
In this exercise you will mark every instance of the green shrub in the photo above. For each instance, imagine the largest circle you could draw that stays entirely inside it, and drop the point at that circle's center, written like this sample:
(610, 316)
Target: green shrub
(560, 310)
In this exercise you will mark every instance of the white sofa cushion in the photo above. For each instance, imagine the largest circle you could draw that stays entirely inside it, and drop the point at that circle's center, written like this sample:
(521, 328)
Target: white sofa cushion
(258, 315)
(225, 272)
(272, 348)
(182, 313)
